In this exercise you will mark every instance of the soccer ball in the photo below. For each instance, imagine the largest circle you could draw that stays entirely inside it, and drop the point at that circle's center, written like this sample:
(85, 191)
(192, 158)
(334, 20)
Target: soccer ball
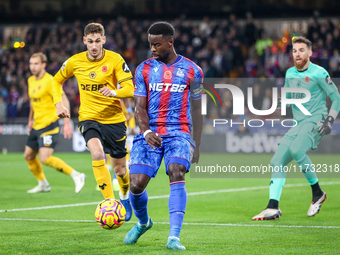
(110, 214)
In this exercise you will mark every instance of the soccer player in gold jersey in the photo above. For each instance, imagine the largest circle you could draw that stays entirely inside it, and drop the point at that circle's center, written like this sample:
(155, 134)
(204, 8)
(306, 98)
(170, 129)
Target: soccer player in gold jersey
(44, 127)
(101, 118)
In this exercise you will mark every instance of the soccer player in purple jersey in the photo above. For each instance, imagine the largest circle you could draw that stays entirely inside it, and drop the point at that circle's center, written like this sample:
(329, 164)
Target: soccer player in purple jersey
(164, 86)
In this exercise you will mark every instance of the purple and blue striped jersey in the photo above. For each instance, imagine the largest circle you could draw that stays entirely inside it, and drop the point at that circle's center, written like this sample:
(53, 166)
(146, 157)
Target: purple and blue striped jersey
(168, 89)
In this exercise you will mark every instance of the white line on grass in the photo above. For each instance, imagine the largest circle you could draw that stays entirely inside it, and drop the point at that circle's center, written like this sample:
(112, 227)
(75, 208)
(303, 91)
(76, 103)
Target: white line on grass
(185, 223)
(166, 196)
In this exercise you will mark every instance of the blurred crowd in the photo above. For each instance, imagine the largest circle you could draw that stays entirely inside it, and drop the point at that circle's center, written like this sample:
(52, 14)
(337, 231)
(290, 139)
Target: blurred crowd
(222, 48)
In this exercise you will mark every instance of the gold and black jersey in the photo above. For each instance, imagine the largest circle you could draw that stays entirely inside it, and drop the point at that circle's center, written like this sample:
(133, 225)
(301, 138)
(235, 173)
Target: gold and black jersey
(40, 93)
(92, 75)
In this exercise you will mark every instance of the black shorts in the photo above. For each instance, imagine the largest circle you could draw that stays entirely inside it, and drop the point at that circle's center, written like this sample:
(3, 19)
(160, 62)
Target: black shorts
(112, 136)
(45, 137)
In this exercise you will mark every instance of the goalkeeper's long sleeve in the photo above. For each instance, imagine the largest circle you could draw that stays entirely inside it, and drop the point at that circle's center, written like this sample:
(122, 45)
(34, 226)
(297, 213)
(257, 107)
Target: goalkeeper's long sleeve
(335, 108)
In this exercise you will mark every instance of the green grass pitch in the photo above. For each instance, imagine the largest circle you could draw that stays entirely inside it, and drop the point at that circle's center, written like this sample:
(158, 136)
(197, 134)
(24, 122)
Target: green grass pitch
(216, 222)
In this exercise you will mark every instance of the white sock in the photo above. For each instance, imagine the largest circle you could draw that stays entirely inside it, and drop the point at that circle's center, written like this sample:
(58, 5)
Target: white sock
(74, 174)
(43, 182)
(123, 197)
(174, 237)
(145, 225)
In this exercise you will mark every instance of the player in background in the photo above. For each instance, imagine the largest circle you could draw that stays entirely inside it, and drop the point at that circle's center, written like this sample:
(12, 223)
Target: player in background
(44, 127)
(164, 86)
(101, 118)
(310, 128)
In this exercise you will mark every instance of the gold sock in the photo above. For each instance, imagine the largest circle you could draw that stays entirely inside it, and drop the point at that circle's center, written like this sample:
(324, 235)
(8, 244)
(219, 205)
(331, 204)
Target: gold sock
(36, 168)
(103, 178)
(58, 164)
(124, 182)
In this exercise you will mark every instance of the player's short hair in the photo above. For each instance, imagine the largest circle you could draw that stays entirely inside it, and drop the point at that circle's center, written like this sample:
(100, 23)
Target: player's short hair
(161, 28)
(301, 39)
(94, 28)
(41, 55)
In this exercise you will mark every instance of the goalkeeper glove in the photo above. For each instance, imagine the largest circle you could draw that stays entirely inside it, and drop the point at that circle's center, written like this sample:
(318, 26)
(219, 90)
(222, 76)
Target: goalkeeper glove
(325, 126)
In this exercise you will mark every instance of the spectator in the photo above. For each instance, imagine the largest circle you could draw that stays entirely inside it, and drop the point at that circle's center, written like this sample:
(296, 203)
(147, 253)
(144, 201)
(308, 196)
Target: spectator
(261, 45)
(334, 63)
(3, 107)
(250, 32)
(24, 105)
(12, 102)
(3, 91)
(267, 100)
(324, 59)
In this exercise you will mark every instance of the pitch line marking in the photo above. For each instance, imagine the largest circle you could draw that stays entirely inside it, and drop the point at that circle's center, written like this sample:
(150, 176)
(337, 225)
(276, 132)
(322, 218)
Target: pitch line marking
(166, 196)
(185, 223)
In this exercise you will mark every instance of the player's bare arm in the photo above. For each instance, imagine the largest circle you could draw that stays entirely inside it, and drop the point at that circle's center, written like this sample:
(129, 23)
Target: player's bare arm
(30, 119)
(67, 128)
(57, 92)
(128, 105)
(197, 121)
(62, 111)
(142, 117)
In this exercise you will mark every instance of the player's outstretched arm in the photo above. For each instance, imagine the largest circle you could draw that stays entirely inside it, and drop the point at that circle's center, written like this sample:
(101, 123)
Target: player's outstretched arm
(67, 128)
(142, 117)
(197, 121)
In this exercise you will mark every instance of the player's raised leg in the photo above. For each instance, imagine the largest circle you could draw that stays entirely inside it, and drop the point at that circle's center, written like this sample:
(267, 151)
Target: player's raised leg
(36, 168)
(139, 201)
(100, 170)
(280, 159)
(123, 177)
(298, 150)
(45, 155)
(177, 204)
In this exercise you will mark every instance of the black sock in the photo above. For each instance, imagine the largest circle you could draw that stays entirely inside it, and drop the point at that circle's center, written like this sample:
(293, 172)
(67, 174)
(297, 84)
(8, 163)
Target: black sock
(317, 192)
(273, 204)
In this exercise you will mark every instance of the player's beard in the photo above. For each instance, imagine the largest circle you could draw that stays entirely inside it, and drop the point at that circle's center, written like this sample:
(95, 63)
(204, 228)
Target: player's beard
(299, 66)
(163, 57)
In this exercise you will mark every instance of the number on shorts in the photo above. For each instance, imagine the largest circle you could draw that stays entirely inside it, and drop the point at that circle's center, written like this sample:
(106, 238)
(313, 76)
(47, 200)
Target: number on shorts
(47, 139)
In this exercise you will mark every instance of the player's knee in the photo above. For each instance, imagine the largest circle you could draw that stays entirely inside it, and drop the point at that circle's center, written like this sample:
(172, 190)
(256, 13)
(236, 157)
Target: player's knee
(275, 162)
(97, 155)
(136, 187)
(120, 170)
(43, 158)
(176, 172)
(28, 156)
(295, 153)
(138, 183)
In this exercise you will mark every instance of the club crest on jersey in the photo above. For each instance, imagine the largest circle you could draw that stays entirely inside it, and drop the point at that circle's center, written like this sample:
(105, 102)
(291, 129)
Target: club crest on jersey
(180, 72)
(104, 69)
(64, 65)
(167, 75)
(92, 75)
(329, 80)
(125, 68)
